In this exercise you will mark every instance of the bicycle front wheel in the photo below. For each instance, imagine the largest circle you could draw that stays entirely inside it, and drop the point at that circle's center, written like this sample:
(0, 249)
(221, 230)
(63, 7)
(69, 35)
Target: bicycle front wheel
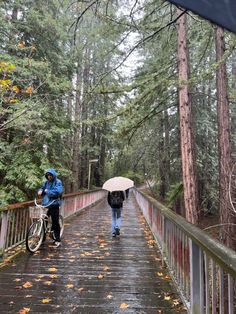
(34, 237)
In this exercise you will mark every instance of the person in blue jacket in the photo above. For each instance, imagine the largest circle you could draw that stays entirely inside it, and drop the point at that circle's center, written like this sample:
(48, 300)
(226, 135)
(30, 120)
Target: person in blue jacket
(51, 191)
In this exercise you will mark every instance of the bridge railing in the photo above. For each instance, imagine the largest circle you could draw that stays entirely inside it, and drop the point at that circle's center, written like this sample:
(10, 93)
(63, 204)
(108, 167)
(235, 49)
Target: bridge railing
(15, 219)
(203, 269)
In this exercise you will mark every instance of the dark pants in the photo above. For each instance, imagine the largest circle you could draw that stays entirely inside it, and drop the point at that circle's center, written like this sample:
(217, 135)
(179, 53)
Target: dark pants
(53, 211)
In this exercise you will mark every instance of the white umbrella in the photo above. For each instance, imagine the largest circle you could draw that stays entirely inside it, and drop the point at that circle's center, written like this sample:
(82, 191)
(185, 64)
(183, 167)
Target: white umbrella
(118, 184)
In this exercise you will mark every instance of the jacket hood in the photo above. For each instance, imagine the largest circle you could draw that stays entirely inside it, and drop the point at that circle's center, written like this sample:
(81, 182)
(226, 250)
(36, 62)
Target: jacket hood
(51, 171)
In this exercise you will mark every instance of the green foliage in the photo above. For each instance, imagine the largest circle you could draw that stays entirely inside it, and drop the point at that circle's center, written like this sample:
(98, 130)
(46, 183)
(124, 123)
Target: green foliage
(136, 177)
(175, 192)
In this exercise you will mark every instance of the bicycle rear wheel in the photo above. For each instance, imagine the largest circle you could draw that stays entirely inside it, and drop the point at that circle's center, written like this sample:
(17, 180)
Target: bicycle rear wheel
(34, 237)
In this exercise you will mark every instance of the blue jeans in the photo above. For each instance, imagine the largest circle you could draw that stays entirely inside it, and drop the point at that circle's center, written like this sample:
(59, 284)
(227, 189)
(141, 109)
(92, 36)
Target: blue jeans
(115, 218)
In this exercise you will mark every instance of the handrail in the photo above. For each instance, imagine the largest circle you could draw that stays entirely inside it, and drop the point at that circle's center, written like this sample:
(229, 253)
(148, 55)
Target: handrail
(31, 203)
(203, 269)
(223, 255)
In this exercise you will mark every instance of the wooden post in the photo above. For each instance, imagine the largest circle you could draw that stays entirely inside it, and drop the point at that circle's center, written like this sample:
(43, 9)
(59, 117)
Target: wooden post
(196, 287)
(3, 235)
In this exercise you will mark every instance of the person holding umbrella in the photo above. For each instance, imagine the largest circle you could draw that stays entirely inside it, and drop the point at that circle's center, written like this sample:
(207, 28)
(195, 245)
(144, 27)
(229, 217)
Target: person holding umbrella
(115, 187)
(115, 199)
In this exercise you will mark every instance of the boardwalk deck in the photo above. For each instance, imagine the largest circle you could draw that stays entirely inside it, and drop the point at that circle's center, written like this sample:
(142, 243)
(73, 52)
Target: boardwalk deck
(92, 272)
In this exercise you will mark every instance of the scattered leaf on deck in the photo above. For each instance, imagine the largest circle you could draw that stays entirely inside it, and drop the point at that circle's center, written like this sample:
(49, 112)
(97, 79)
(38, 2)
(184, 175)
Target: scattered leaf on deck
(69, 286)
(159, 274)
(27, 285)
(109, 296)
(48, 282)
(105, 268)
(24, 310)
(37, 279)
(47, 300)
(176, 302)
(124, 306)
(80, 289)
(53, 269)
(100, 276)
(88, 254)
(167, 297)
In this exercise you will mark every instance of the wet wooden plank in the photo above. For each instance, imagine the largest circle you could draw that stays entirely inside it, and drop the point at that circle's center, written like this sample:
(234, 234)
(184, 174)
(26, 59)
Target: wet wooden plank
(92, 272)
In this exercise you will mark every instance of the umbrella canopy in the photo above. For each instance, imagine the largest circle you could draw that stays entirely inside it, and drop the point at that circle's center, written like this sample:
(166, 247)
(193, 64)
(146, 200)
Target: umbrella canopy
(118, 184)
(221, 12)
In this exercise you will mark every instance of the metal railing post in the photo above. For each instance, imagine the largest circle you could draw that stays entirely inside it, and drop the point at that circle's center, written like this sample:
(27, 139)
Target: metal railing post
(3, 235)
(196, 293)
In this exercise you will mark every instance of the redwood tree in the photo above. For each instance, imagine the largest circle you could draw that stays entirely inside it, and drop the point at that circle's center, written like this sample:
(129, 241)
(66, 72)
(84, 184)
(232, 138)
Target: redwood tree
(223, 139)
(186, 126)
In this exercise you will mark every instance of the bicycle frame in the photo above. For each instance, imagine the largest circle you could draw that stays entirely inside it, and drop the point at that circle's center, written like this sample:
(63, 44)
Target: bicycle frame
(39, 228)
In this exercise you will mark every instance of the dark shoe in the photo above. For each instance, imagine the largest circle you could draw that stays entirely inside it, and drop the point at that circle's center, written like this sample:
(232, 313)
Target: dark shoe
(114, 234)
(117, 231)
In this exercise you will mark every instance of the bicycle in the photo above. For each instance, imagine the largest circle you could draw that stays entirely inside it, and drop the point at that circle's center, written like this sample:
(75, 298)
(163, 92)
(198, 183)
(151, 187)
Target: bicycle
(39, 229)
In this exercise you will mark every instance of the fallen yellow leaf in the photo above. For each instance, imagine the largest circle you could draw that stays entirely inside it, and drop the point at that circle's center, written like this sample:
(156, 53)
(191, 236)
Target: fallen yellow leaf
(27, 285)
(100, 276)
(80, 289)
(167, 297)
(69, 286)
(124, 306)
(159, 274)
(53, 269)
(24, 310)
(176, 302)
(48, 282)
(53, 276)
(167, 277)
(46, 300)
(106, 268)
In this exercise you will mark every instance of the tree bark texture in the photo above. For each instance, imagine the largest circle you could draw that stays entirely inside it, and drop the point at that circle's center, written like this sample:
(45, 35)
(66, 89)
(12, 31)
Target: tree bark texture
(223, 140)
(186, 131)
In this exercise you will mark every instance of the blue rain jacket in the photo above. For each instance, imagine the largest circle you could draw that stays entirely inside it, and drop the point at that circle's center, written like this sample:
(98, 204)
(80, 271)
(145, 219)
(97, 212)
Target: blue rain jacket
(52, 190)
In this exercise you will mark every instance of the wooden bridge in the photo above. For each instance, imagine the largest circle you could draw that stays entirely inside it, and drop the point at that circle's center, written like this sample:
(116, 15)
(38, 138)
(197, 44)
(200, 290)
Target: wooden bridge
(94, 273)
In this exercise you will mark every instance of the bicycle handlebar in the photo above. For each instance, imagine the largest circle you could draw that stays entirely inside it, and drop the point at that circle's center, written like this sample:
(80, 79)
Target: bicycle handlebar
(38, 205)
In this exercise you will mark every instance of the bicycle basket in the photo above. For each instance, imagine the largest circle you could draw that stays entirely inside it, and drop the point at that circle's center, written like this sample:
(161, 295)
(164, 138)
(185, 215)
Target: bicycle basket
(35, 212)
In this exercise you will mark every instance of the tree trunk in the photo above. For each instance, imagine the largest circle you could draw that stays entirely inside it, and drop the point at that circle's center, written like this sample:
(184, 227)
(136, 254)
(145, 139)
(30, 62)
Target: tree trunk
(77, 135)
(223, 140)
(233, 112)
(164, 158)
(186, 131)
(67, 180)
